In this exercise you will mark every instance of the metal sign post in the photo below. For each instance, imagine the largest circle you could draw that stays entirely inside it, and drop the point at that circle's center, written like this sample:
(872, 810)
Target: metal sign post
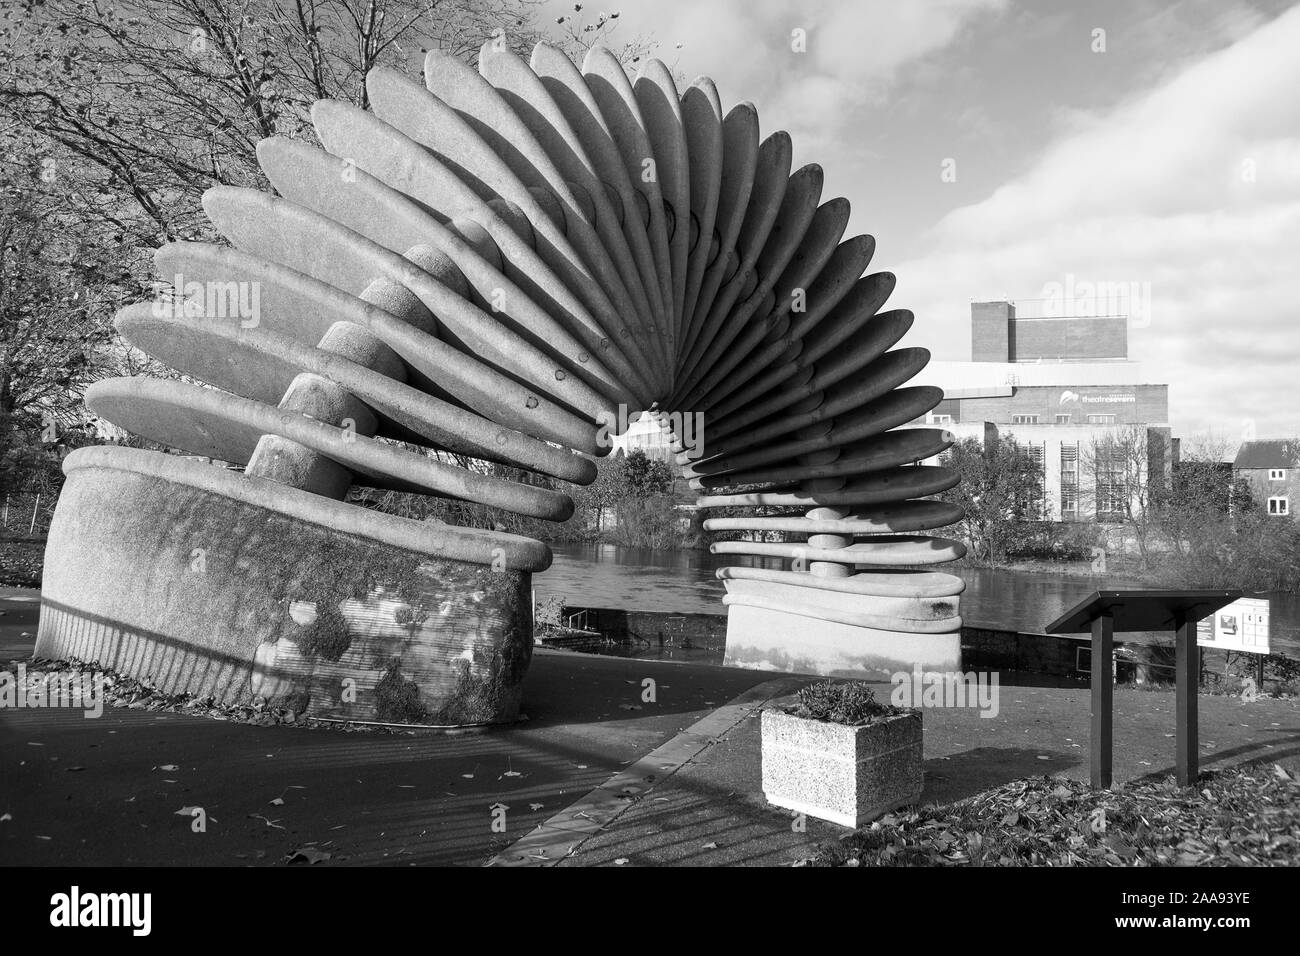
(1103, 698)
(1187, 680)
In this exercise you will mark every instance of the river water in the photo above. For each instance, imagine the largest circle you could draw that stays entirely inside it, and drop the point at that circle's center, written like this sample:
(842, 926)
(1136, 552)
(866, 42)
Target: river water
(640, 579)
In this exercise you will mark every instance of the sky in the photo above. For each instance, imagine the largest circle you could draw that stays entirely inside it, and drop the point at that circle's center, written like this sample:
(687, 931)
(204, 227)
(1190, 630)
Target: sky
(1006, 149)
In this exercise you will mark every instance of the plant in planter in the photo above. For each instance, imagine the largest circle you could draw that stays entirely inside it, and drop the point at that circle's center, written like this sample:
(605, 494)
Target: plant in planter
(838, 754)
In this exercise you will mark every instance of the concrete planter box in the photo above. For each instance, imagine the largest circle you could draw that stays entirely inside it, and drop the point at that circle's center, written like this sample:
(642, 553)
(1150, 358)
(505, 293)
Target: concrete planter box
(847, 775)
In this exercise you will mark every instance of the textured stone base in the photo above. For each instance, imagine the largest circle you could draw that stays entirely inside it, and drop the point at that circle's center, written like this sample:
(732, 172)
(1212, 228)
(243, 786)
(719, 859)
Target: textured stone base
(847, 775)
(765, 639)
(201, 592)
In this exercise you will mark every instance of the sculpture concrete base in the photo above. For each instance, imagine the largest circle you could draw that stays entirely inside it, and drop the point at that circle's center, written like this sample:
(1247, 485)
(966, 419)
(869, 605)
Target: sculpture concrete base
(764, 639)
(171, 572)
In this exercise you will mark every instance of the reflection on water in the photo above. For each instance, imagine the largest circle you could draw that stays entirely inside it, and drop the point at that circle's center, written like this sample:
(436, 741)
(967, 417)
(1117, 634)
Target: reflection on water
(640, 579)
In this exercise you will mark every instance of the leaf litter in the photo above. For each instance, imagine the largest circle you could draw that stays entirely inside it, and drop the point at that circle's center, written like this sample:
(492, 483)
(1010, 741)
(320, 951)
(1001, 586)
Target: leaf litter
(1238, 817)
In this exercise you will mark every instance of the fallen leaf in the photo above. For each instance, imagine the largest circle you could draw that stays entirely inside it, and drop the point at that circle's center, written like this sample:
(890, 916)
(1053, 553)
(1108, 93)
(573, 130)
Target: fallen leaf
(308, 854)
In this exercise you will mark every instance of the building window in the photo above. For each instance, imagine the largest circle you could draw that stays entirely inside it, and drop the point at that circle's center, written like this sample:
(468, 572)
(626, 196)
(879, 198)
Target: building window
(1063, 419)
(1278, 506)
(1024, 419)
(1110, 491)
(1030, 499)
(941, 419)
(1101, 419)
(1069, 481)
(1277, 474)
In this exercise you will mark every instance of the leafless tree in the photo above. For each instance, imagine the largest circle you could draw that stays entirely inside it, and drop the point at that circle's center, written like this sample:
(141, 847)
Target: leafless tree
(117, 115)
(1120, 487)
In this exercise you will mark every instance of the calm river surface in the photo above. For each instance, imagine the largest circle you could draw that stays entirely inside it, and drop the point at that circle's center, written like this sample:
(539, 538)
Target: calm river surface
(639, 579)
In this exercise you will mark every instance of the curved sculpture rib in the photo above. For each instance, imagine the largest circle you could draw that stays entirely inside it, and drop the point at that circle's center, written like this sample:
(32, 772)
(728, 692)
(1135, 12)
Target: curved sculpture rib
(457, 296)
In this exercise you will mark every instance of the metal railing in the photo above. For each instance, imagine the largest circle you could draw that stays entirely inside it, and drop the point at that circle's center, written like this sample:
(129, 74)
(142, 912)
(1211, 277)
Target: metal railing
(26, 515)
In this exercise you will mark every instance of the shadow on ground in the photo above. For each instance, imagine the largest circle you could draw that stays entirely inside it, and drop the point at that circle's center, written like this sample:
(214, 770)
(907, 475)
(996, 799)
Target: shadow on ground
(970, 772)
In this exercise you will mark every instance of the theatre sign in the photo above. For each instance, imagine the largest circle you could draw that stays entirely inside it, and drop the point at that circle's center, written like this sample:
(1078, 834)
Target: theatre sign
(1070, 396)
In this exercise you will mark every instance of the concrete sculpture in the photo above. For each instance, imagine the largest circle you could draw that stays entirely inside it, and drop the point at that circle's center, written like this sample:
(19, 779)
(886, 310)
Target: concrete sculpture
(496, 267)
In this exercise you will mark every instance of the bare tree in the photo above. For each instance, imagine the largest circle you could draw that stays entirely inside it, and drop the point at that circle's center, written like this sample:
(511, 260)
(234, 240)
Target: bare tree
(1000, 492)
(118, 114)
(1121, 487)
(49, 349)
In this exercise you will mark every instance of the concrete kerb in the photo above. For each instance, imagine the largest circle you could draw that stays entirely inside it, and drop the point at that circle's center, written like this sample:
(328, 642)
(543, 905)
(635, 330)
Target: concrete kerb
(563, 833)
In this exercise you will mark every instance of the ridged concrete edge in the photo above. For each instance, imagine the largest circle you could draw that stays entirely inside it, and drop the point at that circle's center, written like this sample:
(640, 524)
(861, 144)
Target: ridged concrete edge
(563, 833)
(516, 553)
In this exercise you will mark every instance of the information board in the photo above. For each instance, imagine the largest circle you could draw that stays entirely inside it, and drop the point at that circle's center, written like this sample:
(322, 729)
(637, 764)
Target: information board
(1241, 626)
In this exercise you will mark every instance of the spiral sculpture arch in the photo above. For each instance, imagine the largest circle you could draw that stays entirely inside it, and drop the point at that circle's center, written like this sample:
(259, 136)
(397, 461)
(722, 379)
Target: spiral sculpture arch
(501, 263)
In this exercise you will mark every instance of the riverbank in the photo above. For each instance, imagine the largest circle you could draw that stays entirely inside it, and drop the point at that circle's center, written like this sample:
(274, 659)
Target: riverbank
(21, 560)
(1144, 660)
(1070, 569)
(1022, 599)
(685, 582)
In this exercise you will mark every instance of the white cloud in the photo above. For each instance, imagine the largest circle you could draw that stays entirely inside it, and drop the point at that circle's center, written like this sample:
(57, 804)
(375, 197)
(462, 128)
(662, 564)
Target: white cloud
(1158, 190)
(855, 50)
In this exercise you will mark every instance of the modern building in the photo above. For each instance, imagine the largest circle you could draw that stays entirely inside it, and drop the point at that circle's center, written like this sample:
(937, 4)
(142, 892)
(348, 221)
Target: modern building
(1271, 470)
(1064, 387)
(645, 435)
